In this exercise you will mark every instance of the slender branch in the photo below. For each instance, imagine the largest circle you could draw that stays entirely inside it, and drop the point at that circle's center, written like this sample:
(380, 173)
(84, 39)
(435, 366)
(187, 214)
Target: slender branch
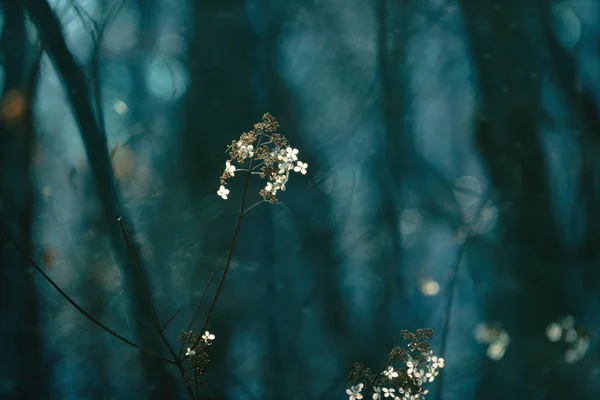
(148, 324)
(97, 34)
(253, 205)
(95, 73)
(139, 272)
(79, 308)
(232, 247)
(245, 170)
(171, 318)
(202, 298)
(177, 360)
(94, 138)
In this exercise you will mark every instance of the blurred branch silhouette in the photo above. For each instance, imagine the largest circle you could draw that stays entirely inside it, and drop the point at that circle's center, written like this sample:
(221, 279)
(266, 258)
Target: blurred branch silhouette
(94, 139)
(21, 322)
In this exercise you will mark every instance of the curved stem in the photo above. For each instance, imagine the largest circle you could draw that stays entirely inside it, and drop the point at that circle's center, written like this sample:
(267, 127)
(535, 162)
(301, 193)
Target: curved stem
(253, 205)
(231, 248)
(157, 324)
(80, 309)
(202, 298)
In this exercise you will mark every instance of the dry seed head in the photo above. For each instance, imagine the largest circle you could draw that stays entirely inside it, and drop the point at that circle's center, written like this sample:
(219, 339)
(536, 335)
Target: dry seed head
(272, 158)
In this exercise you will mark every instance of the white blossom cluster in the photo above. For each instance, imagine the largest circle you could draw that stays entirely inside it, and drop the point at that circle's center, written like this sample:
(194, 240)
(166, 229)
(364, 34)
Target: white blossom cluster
(422, 374)
(272, 158)
(286, 161)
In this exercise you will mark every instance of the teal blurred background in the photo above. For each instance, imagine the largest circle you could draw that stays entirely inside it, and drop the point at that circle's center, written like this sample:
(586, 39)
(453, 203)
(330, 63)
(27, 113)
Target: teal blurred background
(453, 183)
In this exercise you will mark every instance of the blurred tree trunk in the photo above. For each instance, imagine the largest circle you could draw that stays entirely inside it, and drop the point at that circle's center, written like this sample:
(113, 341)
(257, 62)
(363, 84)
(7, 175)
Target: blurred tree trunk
(219, 108)
(584, 124)
(22, 372)
(158, 381)
(510, 56)
(262, 23)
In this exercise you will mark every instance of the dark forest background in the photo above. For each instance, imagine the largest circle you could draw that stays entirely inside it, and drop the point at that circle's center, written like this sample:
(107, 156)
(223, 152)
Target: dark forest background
(454, 175)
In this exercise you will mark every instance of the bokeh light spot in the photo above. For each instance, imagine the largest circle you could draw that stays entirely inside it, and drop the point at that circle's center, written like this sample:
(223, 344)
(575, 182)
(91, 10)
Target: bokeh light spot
(167, 79)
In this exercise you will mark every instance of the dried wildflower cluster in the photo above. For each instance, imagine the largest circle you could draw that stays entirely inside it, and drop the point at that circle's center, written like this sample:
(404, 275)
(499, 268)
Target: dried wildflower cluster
(277, 158)
(407, 371)
(577, 340)
(196, 353)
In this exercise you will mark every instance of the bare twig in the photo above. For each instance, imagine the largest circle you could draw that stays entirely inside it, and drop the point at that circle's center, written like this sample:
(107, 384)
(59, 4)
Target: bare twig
(171, 318)
(232, 247)
(79, 308)
(253, 205)
(148, 324)
(97, 34)
(157, 325)
(139, 272)
(202, 298)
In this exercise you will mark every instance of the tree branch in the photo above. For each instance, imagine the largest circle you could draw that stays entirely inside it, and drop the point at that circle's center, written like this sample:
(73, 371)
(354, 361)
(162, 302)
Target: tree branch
(78, 307)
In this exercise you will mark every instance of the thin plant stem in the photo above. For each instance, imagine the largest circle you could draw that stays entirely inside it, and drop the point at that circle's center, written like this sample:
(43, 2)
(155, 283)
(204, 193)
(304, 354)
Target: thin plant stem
(231, 248)
(202, 298)
(245, 170)
(264, 201)
(253, 205)
(139, 272)
(171, 318)
(79, 308)
(157, 323)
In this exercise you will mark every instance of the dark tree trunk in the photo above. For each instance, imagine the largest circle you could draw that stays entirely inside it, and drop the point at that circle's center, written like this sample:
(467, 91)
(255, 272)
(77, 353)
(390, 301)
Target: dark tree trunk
(94, 139)
(18, 297)
(510, 57)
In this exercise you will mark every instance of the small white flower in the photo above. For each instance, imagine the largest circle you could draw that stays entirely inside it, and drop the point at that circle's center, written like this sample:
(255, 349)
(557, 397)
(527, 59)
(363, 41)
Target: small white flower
(390, 373)
(223, 192)
(291, 154)
(377, 394)
(388, 392)
(419, 376)
(229, 168)
(437, 362)
(279, 154)
(190, 352)
(247, 151)
(411, 368)
(354, 392)
(208, 336)
(429, 355)
(301, 167)
(430, 376)
(284, 167)
(270, 188)
(280, 183)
